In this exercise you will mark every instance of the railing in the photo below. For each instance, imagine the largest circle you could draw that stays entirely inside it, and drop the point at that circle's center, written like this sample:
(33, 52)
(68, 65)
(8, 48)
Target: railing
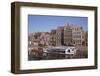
(58, 53)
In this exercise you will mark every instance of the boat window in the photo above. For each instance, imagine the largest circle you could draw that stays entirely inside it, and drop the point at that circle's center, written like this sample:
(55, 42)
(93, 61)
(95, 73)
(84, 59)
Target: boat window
(69, 50)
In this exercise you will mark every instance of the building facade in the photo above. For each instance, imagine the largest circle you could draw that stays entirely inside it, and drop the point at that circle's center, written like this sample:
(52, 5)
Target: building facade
(59, 36)
(67, 35)
(63, 36)
(53, 38)
(70, 34)
(77, 35)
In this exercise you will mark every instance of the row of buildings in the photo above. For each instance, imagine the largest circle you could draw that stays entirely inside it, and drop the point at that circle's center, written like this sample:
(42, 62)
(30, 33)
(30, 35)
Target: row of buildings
(66, 35)
(69, 34)
(39, 39)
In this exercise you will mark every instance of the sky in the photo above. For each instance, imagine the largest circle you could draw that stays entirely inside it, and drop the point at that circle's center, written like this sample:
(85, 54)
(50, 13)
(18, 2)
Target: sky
(43, 23)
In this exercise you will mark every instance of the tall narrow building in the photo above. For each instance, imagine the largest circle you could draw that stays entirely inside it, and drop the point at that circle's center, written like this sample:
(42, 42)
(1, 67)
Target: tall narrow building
(59, 36)
(67, 35)
(53, 37)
